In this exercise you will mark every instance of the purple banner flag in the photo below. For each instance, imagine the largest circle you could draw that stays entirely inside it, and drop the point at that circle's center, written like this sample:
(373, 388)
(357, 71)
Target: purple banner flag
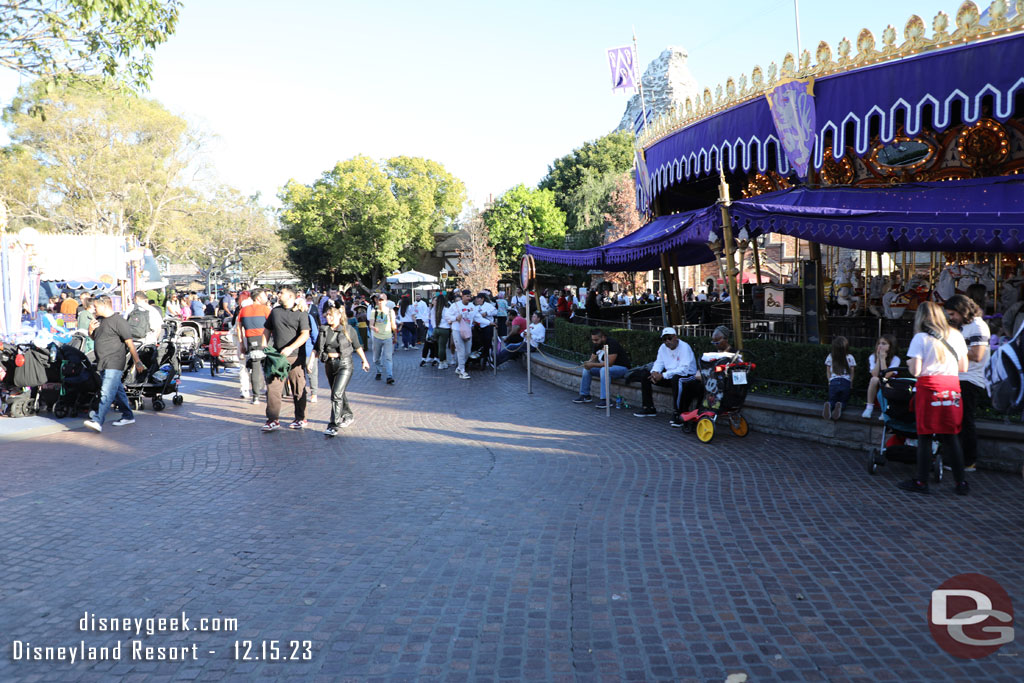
(620, 61)
(792, 105)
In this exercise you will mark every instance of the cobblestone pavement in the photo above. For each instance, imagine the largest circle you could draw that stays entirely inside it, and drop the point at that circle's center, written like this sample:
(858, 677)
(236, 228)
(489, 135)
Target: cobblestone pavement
(467, 531)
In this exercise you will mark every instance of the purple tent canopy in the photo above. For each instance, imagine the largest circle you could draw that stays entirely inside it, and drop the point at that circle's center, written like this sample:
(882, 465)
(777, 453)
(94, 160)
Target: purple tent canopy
(683, 235)
(982, 214)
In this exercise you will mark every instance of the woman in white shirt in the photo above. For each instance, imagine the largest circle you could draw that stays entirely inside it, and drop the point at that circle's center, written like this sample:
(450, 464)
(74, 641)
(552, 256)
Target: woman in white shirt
(937, 355)
(882, 363)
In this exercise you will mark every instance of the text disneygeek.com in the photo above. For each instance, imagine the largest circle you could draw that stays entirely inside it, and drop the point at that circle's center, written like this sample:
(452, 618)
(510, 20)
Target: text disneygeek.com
(140, 650)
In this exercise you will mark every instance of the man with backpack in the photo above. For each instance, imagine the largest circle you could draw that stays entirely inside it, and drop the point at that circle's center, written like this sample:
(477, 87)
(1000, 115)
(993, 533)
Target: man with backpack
(144, 321)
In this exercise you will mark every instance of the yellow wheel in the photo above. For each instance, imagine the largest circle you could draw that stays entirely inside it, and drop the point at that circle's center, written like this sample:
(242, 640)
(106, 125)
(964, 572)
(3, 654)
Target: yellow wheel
(705, 429)
(739, 426)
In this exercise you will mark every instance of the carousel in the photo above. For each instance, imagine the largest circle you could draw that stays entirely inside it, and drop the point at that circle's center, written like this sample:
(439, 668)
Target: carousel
(884, 173)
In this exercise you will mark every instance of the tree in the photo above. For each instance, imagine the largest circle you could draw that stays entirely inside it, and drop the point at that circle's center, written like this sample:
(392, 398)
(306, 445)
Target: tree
(623, 219)
(62, 39)
(225, 232)
(478, 266)
(568, 176)
(364, 219)
(99, 161)
(523, 214)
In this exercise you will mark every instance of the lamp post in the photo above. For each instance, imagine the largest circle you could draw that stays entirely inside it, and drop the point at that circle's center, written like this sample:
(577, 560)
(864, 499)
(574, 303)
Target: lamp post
(730, 266)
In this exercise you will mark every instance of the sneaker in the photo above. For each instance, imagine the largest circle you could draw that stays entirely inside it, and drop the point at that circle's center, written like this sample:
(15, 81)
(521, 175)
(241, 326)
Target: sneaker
(254, 400)
(423, 362)
(826, 412)
(645, 412)
(346, 422)
(973, 467)
(298, 424)
(914, 486)
(377, 377)
(271, 426)
(962, 489)
(94, 425)
(837, 412)
(582, 399)
(463, 375)
(434, 362)
(330, 431)
(244, 397)
(676, 423)
(442, 366)
(868, 411)
(312, 398)
(391, 380)
(124, 421)
(601, 405)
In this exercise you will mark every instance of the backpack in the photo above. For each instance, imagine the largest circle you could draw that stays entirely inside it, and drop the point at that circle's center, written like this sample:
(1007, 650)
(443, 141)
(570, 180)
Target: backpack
(138, 322)
(1004, 375)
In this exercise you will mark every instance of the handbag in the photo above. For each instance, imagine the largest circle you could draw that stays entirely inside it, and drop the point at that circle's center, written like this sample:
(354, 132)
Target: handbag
(466, 329)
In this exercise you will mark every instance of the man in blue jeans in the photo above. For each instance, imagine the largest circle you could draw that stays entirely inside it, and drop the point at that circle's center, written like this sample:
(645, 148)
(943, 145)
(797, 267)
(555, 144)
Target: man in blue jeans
(618, 365)
(111, 334)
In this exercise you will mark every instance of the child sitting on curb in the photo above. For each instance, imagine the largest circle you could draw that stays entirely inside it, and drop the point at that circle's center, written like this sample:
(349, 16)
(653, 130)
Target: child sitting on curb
(839, 367)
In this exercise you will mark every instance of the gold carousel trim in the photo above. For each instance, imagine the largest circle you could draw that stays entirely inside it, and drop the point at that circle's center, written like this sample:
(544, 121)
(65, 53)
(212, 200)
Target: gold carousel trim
(968, 29)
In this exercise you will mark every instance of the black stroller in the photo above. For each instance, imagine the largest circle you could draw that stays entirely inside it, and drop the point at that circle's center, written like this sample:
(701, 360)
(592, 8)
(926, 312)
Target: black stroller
(27, 374)
(79, 383)
(899, 433)
(160, 378)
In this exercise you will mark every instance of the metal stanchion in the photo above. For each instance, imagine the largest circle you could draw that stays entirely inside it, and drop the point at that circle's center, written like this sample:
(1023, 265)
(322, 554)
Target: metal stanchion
(607, 386)
(494, 348)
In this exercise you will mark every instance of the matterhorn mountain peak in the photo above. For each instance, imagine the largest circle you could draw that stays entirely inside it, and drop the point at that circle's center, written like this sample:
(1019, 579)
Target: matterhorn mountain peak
(667, 83)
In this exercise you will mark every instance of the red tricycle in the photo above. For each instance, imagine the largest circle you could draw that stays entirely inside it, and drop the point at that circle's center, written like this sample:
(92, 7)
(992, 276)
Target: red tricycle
(726, 377)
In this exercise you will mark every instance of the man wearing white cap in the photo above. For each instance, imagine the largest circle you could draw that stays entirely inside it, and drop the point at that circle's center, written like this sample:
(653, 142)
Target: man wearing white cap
(674, 367)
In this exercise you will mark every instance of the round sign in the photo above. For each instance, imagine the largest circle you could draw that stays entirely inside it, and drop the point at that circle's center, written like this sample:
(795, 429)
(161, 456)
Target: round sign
(527, 271)
(970, 616)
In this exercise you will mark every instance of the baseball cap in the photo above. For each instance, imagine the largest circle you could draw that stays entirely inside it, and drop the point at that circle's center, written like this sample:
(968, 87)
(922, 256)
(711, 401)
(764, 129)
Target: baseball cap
(667, 331)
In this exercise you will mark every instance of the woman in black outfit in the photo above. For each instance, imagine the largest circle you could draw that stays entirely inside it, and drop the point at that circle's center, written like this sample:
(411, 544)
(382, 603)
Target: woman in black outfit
(335, 346)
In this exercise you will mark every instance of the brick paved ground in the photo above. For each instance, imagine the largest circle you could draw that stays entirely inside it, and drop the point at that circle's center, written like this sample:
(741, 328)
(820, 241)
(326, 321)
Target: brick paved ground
(465, 531)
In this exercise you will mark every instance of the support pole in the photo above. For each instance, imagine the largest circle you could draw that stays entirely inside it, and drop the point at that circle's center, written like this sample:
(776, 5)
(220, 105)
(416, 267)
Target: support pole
(494, 348)
(677, 287)
(730, 279)
(757, 262)
(607, 383)
(661, 298)
(529, 362)
(866, 260)
(997, 267)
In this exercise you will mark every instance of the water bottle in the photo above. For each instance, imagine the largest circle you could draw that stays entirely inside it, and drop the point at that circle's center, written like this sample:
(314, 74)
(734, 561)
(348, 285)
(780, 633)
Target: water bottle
(618, 402)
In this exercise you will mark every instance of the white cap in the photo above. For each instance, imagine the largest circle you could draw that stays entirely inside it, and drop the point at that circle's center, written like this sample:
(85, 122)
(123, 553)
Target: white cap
(668, 330)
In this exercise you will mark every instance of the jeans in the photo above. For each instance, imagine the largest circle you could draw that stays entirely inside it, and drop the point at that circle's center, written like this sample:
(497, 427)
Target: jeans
(383, 351)
(408, 334)
(296, 381)
(615, 372)
(313, 374)
(441, 336)
(969, 394)
(112, 393)
(339, 372)
(510, 351)
(463, 347)
(502, 322)
(839, 391)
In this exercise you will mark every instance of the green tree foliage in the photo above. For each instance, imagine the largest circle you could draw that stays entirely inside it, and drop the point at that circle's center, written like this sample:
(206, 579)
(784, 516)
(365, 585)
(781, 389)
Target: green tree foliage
(99, 161)
(580, 179)
(58, 39)
(523, 213)
(364, 219)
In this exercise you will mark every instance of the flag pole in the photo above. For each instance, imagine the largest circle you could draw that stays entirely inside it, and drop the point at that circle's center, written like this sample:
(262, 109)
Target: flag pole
(639, 79)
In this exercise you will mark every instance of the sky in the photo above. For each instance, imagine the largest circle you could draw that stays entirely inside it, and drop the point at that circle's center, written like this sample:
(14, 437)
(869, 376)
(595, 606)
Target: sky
(493, 91)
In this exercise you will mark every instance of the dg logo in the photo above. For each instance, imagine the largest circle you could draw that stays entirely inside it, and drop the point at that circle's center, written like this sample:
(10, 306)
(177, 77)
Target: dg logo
(971, 616)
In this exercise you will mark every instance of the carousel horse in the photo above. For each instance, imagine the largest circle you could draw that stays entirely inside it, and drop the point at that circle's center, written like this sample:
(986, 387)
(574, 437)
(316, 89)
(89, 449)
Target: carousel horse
(956, 278)
(846, 283)
(878, 285)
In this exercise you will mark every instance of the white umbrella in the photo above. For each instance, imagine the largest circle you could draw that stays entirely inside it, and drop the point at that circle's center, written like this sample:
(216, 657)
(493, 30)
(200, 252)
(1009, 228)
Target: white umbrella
(412, 277)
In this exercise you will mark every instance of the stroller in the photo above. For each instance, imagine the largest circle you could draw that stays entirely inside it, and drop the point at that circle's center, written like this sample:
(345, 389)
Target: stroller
(899, 433)
(158, 379)
(188, 339)
(28, 372)
(79, 382)
(725, 378)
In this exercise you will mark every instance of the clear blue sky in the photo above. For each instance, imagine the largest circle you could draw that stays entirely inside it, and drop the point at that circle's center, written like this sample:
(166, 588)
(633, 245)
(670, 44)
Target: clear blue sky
(494, 91)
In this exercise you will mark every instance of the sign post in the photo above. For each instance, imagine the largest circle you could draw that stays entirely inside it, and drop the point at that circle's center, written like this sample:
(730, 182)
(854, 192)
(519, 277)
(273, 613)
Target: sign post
(527, 277)
(606, 383)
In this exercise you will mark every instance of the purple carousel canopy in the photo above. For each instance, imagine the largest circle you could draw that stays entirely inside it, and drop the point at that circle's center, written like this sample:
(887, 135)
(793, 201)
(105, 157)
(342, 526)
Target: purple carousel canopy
(983, 214)
(919, 90)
